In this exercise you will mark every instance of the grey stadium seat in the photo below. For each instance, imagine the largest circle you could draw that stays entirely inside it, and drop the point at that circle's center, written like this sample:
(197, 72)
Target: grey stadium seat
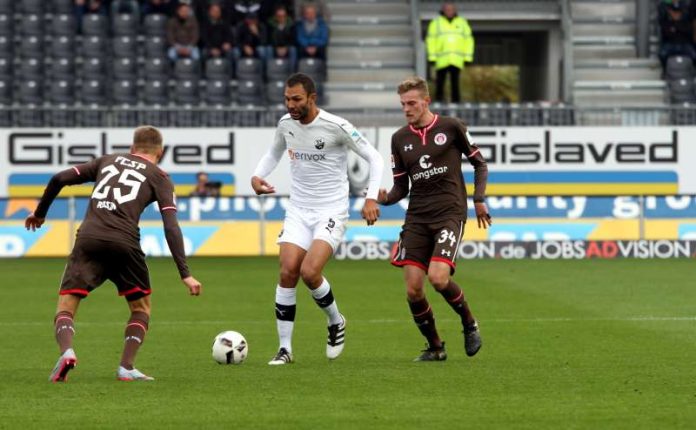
(186, 92)
(7, 6)
(249, 69)
(155, 46)
(218, 68)
(217, 92)
(186, 68)
(62, 46)
(6, 68)
(32, 25)
(31, 69)
(93, 68)
(681, 91)
(5, 92)
(64, 25)
(63, 6)
(33, 6)
(95, 25)
(679, 67)
(278, 69)
(30, 92)
(31, 47)
(313, 67)
(124, 92)
(62, 92)
(125, 24)
(6, 25)
(156, 92)
(275, 92)
(125, 46)
(62, 69)
(249, 92)
(93, 92)
(157, 68)
(94, 47)
(124, 68)
(155, 25)
(6, 47)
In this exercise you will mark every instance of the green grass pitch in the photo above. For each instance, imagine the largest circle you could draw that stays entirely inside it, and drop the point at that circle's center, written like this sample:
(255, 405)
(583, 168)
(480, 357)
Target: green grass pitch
(567, 344)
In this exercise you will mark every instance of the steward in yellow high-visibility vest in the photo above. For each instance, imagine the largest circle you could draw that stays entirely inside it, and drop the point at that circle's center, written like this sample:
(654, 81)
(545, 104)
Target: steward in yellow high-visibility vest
(450, 44)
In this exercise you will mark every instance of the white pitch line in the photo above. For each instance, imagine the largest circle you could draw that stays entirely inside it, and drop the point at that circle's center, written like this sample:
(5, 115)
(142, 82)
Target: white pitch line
(373, 321)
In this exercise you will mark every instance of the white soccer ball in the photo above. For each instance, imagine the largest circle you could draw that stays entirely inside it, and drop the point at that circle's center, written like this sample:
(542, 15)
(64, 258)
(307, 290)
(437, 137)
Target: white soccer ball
(230, 347)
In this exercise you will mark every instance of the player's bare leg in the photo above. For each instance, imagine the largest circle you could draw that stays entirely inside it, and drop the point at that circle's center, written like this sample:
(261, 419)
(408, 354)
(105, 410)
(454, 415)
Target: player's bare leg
(136, 328)
(65, 330)
(311, 272)
(291, 257)
(423, 314)
(439, 277)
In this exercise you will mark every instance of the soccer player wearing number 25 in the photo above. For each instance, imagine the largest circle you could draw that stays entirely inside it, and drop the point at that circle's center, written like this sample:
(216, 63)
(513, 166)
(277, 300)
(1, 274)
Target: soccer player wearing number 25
(107, 245)
(428, 153)
(317, 144)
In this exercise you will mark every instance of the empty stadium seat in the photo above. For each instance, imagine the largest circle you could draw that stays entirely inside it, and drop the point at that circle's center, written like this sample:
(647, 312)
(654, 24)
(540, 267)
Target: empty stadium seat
(124, 92)
(124, 68)
(62, 68)
(155, 92)
(33, 6)
(6, 47)
(32, 25)
(249, 92)
(125, 46)
(93, 68)
(217, 92)
(682, 91)
(313, 67)
(5, 92)
(218, 68)
(186, 92)
(7, 7)
(95, 25)
(187, 69)
(275, 92)
(94, 47)
(64, 6)
(6, 25)
(155, 46)
(157, 68)
(31, 69)
(679, 67)
(63, 25)
(278, 69)
(62, 46)
(155, 25)
(6, 68)
(528, 114)
(30, 92)
(125, 24)
(62, 92)
(249, 69)
(31, 47)
(92, 92)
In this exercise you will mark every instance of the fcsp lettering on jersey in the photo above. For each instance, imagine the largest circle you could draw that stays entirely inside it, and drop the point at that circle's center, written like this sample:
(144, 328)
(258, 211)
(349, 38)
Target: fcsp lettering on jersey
(130, 163)
(51, 149)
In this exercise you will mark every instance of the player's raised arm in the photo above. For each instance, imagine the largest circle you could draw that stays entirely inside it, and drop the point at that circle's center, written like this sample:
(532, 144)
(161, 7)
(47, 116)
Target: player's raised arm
(267, 164)
(72, 176)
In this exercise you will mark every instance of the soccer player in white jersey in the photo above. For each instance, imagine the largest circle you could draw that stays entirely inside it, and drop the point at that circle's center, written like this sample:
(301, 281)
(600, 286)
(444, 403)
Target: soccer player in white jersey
(317, 143)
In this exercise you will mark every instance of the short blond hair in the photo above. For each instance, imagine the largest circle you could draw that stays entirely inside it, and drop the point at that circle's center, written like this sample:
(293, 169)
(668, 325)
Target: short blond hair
(414, 83)
(148, 139)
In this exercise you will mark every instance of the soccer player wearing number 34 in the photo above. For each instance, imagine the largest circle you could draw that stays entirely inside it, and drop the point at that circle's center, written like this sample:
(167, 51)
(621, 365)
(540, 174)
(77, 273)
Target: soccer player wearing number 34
(428, 153)
(107, 245)
(317, 144)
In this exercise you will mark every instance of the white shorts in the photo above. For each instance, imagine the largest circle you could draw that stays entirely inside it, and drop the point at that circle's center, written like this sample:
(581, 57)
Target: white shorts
(303, 226)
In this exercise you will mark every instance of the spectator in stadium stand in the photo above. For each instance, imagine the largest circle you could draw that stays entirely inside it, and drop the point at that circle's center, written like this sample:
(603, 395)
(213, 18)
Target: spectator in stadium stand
(163, 7)
(676, 30)
(320, 5)
(205, 188)
(216, 34)
(281, 31)
(312, 34)
(183, 34)
(251, 37)
(125, 6)
(450, 44)
(84, 7)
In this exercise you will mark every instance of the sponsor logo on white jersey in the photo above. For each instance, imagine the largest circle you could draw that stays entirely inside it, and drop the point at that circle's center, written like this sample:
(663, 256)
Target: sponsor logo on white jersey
(305, 156)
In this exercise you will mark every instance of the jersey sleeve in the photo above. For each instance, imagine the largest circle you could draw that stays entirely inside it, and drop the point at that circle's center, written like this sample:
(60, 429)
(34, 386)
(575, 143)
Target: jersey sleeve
(357, 142)
(78, 174)
(166, 199)
(473, 154)
(272, 157)
(400, 174)
(164, 194)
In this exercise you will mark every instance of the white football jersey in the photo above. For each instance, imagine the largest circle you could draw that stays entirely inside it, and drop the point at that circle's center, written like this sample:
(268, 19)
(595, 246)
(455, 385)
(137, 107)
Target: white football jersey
(318, 154)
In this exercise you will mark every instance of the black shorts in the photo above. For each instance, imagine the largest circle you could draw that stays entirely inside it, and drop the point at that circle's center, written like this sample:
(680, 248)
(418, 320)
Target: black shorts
(419, 244)
(93, 261)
